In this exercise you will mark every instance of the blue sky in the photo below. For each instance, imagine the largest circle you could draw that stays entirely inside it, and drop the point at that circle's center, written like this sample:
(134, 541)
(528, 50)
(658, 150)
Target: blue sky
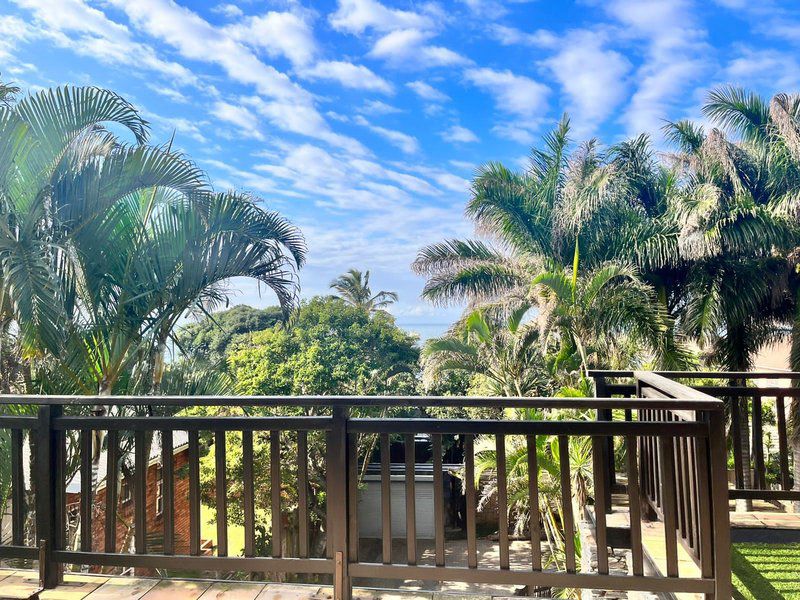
(362, 120)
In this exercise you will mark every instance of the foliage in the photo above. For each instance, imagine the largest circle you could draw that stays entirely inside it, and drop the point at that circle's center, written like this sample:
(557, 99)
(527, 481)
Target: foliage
(353, 287)
(497, 350)
(765, 571)
(209, 338)
(330, 348)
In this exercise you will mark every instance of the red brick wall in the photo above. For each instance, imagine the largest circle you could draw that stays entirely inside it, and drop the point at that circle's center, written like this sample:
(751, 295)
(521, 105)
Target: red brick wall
(155, 522)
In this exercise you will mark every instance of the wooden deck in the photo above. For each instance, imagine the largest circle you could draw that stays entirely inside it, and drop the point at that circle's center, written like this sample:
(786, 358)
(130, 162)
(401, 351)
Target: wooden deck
(25, 585)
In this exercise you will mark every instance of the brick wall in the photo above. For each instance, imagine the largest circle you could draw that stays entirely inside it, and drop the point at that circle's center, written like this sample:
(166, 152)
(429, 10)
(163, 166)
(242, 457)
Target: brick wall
(155, 520)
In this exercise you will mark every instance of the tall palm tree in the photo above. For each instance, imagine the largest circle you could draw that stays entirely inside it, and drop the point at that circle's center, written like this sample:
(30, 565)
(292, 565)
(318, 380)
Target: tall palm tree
(353, 287)
(501, 349)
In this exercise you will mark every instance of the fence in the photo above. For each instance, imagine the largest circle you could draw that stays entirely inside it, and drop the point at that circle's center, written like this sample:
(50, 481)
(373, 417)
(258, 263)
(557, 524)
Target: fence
(339, 427)
(743, 404)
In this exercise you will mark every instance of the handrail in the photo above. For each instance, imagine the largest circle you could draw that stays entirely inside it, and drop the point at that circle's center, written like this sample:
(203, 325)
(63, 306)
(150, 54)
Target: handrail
(350, 401)
(702, 374)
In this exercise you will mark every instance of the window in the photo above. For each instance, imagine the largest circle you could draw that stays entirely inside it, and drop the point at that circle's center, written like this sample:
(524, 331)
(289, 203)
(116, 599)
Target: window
(159, 491)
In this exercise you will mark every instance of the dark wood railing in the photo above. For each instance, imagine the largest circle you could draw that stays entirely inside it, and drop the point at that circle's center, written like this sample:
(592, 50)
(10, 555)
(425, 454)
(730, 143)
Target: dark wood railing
(741, 399)
(334, 424)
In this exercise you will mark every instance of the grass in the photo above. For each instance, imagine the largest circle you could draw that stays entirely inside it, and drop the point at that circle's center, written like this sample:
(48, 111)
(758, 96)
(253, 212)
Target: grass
(208, 531)
(766, 571)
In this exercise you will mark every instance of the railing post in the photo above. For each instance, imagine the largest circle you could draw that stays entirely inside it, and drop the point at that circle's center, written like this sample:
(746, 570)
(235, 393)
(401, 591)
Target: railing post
(607, 448)
(48, 475)
(338, 501)
(718, 465)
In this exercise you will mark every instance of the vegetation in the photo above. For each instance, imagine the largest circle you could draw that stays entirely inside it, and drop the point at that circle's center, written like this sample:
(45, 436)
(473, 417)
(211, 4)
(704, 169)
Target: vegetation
(353, 287)
(330, 348)
(765, 571)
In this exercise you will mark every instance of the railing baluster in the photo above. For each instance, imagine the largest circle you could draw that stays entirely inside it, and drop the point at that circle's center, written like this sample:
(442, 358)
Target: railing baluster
(194, 492)
(275, 488)
(386, 500)
(566, 502)
(221, 485)
(248, 490)
(168, 490)
(472, 505)
(783, 443)
(87, 498)
(533, 504)
(48, 482)
(601, 537)
(112, 483)
(668, 503)
(634, 506)
(736, 434)
(352, 491)
(438, 499)
(140, 493)
(502, 499)
(705, 532)
(411, 504)
(759, 481)
(18, 510)
(302, 492)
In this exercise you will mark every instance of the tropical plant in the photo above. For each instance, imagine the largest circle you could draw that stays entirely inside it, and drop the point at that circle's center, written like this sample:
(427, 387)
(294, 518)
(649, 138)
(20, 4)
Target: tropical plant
(499, 351)
(353, 287)
(106, 245)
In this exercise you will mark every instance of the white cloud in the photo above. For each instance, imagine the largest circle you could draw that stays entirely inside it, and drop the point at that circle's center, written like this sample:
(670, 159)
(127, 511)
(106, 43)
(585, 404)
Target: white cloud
(240, 116)
(513, 94)
(769, 68)
(290, 107)
(169, 92)
(511, 36)
(676, 56)
(408, 48)
(352, 76)
(228, 10)
(89, 32)
(278, 34)
(376, 107)
(459, 134)
(593, 77)
(407, 143)
(427, 91)
(180, 125)
(355, 16)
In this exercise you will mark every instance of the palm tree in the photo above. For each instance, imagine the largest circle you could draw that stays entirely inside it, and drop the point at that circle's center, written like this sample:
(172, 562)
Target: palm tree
(104, 245)
(503, 352)
(738, 229)
(353, 287)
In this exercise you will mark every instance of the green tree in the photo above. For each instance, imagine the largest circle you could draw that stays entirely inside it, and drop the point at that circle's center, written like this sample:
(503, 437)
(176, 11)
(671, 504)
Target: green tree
(210, 338)
(353, 287)
(330, 348)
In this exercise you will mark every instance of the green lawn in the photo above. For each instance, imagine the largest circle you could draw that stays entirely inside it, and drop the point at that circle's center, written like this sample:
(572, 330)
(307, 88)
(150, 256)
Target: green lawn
(766, 571)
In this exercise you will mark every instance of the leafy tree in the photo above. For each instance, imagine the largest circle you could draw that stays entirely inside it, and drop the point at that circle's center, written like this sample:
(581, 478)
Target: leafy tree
(330, 348)
(353, 287)
(504, 354)
(210, 338)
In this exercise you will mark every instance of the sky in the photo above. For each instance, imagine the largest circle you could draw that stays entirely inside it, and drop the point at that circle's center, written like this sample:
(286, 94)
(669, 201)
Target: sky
(363, 120)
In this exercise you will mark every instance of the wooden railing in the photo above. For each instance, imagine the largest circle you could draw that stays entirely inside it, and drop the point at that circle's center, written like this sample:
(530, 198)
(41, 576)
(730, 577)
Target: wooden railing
(65, 432)
(746, 453)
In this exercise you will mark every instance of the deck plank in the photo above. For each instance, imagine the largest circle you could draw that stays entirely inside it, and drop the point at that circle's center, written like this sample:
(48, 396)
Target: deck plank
(75, 587)
(177, 590)
(233, 590)
(123, 588)
(278, 591)
(19, 584)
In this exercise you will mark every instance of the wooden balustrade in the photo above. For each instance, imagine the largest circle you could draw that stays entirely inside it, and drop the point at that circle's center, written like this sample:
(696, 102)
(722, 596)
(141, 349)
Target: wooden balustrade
(675, 457)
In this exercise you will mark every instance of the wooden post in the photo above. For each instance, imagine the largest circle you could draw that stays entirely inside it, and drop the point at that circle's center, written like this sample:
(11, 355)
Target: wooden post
(337, 502)
(49, 477)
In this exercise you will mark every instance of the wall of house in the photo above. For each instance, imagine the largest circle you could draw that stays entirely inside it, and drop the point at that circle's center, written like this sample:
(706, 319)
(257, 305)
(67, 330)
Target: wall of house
(155, 521)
